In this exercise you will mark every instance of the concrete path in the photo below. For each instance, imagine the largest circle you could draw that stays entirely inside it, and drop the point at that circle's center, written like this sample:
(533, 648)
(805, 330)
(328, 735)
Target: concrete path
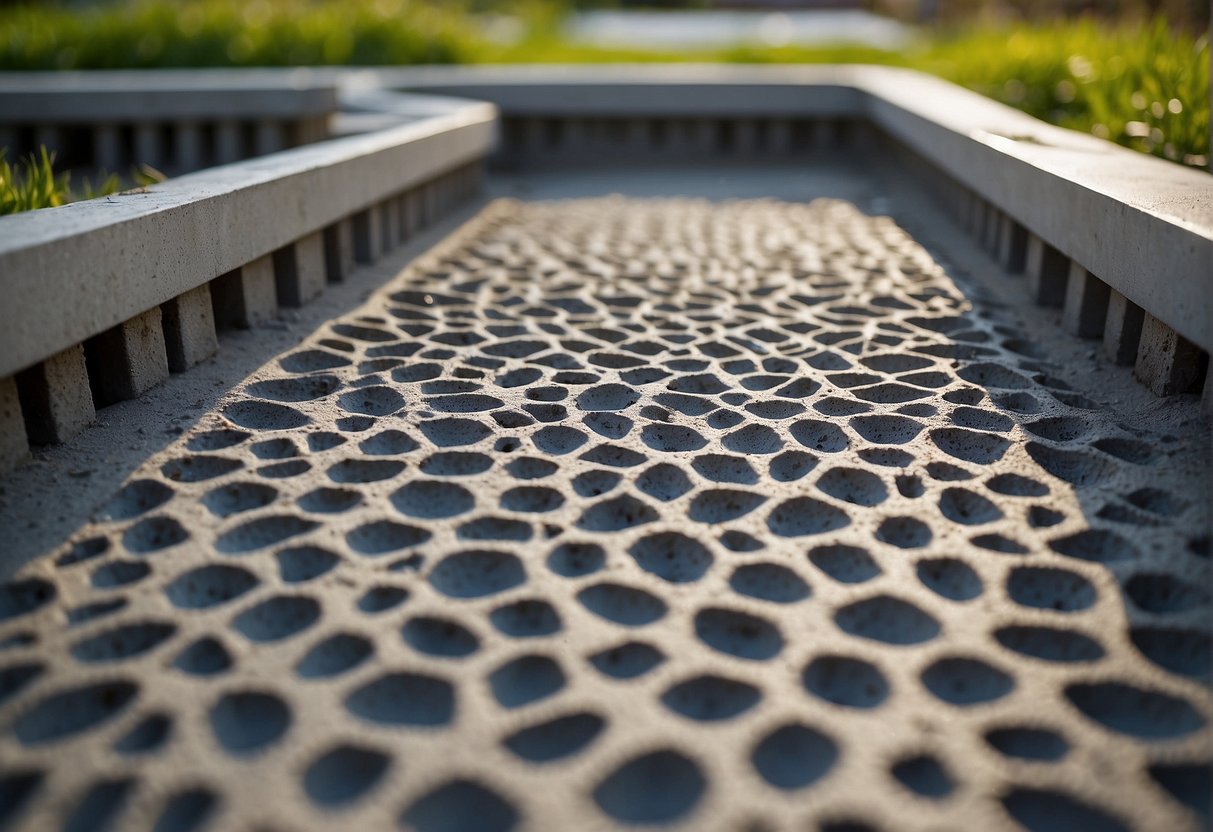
(753, 514)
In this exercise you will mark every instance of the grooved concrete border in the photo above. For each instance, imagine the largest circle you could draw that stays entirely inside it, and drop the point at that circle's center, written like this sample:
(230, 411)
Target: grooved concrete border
(1100, 229)
(163, 95)
(73, 272)
(1142, 225)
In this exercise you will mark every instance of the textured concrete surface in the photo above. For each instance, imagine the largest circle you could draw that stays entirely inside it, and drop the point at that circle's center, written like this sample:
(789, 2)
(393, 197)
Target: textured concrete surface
(1124, 216)
(725, 515)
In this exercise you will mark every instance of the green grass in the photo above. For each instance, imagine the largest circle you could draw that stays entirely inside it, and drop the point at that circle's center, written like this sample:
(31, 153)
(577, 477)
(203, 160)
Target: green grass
(1139, 84)
(33, 183)
(1142, 85)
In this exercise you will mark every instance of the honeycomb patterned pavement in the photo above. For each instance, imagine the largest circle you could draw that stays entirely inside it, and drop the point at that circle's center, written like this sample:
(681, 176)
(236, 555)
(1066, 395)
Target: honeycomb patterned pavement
(608, 513)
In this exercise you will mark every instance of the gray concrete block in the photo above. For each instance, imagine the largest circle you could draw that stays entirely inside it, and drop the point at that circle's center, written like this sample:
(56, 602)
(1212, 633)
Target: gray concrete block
(245, 297)
(14, 446)
(993, 227)
(532, 138)
(1122, 329)
(229, 142)
(300, 270)
(1012, 245)
(1206, 398)
(187, 149)
(189, 329)
(128, 359)
(149, 145)
(268, 137)
(1048, 270)
(1086, 305)
(779, 136)
(136, 253)
(107, 148)
(975, 214)
(402, 219)
(339, 250)
(1167, 362)
(745, 137)
(56, 397)
(387, 225)
(365, 225)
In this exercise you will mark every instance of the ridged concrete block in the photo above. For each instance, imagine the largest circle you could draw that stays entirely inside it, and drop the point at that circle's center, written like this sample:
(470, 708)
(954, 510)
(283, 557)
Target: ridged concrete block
(402, 218)
(339, 250)
(975, 214)
(189, 329)
(56, 397)
(1167, 362)
(1122, 329)
(300, 270)
(1012, 245)
(268, 137)
(1086, 304)
(229, 142)
(1206, 398)
(367, 229)
(387, 225)
(245, 297)
(13, 444)
(187, 150)
(1048, 271)
(128, 359)
(149, 145)
(779, 136)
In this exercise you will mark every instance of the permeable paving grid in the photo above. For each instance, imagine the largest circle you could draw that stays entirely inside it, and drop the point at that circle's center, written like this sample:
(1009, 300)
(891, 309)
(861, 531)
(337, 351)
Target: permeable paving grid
(732, 515)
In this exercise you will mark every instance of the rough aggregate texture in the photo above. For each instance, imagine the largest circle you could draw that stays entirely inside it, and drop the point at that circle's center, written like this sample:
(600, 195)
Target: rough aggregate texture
(610, 512)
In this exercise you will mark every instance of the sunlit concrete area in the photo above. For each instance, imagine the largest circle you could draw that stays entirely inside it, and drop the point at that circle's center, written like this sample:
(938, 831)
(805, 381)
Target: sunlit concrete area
(532, 453)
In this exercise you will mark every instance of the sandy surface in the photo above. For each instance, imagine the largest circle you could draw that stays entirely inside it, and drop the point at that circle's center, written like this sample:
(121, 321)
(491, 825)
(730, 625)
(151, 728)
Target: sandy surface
(761, 513)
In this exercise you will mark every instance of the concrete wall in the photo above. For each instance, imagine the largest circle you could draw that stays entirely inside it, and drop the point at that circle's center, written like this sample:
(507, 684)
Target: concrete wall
(151, 290)
(177, 121)
(1123, 243)
(1109, 234)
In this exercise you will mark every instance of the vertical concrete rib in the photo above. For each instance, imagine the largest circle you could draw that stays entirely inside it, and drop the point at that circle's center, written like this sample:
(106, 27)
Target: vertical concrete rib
(229, 142)
(1167, 362)
(1122, 329)
(268, 137)
(299, 270)
(13, 443)
(1048, 270)
(365, 234)
(1012, 245)
(128, 359)
(187, 150)
(149, 145)
(56, 398)
(107, 148)
(245, 297)
(387, 225)
(339, 250)
(1086, 303)
(189, 328)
